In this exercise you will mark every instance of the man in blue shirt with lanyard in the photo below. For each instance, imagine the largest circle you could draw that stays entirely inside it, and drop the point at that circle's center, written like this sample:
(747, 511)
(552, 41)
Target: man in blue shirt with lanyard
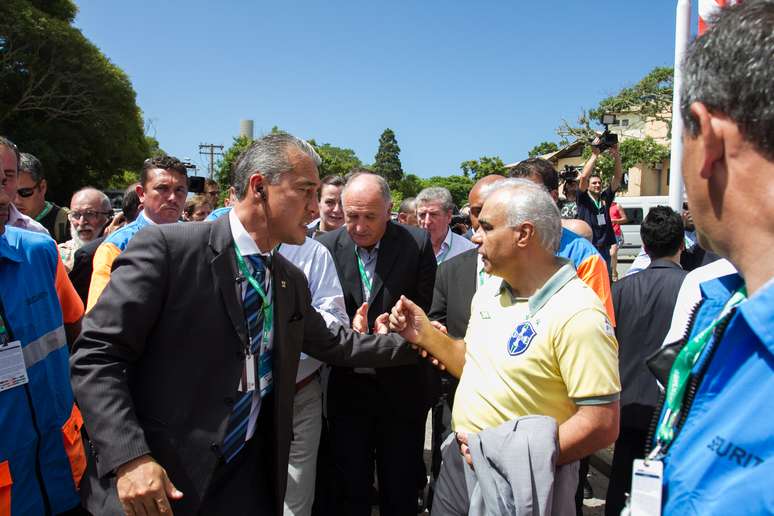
(713, 439)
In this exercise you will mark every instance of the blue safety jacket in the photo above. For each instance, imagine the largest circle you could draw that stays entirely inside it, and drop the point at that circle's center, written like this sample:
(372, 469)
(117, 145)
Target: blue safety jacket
(41, 452)
(722, 460)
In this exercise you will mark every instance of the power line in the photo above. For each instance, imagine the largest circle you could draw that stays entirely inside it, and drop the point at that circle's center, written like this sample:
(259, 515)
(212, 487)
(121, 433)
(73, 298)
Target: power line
(209, 149)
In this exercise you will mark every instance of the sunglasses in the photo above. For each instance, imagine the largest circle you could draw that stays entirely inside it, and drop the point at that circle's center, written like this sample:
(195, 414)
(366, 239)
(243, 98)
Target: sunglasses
(26, 192)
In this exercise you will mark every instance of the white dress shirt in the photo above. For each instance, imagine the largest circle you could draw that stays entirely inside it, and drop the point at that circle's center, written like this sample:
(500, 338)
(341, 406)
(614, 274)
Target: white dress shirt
(316, 262)
(247, 247)
(452, 245)
(19, 220)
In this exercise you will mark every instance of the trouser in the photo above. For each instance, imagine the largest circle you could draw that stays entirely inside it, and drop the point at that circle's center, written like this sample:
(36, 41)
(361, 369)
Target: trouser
(630, 445)
(583, 472)
(441, 426)
(302, 463)
(363, 433)
(244, 485)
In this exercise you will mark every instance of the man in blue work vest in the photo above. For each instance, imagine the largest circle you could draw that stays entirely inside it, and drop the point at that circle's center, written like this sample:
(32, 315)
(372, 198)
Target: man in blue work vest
(41, 453)
(713, 438)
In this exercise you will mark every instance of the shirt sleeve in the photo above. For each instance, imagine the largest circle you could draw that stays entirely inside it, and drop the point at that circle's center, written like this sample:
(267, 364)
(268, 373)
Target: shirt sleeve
(325, 287)
(587, 354)
(103, 262)
(72, 306)
(593, 272)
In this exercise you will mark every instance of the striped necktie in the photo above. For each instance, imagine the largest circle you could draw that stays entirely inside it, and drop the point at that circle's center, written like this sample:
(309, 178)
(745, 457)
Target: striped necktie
(236, 431)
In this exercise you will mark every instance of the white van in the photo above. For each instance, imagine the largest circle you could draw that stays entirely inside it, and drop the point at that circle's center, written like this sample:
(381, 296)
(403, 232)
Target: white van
(636, 208)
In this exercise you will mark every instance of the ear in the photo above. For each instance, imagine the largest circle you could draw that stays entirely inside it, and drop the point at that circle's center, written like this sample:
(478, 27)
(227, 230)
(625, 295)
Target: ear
(256, 181)
(524, 234)
(43, 187)
(710, 138)
(140, 191)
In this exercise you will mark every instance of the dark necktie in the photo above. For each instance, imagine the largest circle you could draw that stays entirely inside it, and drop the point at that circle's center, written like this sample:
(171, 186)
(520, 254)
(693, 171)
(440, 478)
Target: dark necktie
(236, 431)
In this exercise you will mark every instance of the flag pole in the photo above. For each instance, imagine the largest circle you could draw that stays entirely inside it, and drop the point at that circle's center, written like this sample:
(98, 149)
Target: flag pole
(682, 36)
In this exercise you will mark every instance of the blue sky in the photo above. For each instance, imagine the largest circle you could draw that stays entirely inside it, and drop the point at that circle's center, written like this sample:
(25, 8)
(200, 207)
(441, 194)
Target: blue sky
(455, 80)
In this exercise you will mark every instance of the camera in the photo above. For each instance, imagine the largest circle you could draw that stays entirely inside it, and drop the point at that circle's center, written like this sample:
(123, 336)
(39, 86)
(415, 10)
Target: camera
(606, 139)
(569, 173)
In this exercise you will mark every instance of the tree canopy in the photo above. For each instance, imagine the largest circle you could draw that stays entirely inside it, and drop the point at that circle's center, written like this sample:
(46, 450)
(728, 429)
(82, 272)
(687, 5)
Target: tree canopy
(387, 160)
(484, 166)
(543, 148)
(336, 161)
(62, 100)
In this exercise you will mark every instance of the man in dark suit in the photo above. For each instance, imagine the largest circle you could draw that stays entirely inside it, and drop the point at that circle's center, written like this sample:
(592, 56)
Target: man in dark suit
(185, 369)
(378, 413)
(643, 304)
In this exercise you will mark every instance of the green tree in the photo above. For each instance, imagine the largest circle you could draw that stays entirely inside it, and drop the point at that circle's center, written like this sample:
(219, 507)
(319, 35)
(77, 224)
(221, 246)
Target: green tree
(335, 160)
(226, 163)
(484, 166)
(458, 186)
(387, 160)
(543, 148)
(63, 100)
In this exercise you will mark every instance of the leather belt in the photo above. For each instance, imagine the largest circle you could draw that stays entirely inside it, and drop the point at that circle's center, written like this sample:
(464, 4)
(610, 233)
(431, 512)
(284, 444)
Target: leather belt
(306, 381)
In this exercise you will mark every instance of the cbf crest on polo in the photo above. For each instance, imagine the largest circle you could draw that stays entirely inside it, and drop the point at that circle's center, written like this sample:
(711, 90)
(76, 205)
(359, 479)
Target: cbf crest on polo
(521, 338)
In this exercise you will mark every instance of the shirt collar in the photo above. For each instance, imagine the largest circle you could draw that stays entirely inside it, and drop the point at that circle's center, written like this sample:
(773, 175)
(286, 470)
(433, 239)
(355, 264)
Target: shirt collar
(758, 312)
(560, 278)
(8, 245)
(244, 241)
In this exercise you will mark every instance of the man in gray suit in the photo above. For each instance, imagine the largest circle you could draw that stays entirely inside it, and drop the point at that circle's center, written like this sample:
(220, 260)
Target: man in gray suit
(192, 412)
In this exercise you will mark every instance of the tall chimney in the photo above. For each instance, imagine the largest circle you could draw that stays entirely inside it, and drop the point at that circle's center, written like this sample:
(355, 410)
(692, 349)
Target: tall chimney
(246, 128)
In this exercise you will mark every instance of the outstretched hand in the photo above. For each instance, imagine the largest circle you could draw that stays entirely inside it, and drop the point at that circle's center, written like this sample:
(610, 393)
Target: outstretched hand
(409, 320)
(360, 320)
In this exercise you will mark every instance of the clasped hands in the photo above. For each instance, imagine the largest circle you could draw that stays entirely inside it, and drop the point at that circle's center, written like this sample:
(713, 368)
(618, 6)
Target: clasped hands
(406, 319)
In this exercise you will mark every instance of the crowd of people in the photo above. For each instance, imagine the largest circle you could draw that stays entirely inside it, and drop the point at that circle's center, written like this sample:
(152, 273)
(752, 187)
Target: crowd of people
(276, 348)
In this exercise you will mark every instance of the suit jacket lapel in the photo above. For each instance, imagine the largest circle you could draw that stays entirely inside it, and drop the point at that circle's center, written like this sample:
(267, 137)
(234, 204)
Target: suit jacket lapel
(349, 273)
(388, 253)
(225, 273)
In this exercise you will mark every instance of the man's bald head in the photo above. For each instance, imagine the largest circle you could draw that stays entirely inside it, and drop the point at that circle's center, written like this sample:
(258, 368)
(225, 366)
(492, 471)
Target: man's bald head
(476, 200)
(367, 203)
(90, 211)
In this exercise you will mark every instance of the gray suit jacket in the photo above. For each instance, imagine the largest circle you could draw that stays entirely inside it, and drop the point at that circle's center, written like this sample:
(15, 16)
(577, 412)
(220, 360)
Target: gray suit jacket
(156, 368)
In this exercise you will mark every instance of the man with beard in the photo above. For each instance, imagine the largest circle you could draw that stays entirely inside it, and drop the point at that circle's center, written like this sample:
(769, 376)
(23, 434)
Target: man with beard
(90, 212)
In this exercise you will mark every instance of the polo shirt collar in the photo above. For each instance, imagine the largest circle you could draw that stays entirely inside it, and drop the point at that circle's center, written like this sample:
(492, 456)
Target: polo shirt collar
(758, 313)
(8, 250)
(560, 278)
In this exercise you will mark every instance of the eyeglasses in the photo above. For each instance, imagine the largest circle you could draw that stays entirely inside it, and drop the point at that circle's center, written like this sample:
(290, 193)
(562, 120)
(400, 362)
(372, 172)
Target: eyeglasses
(26, 192)
(213, 193)
(88, 214)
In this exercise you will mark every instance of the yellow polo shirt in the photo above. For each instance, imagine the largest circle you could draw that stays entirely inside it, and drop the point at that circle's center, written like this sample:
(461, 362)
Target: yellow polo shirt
(542, 355)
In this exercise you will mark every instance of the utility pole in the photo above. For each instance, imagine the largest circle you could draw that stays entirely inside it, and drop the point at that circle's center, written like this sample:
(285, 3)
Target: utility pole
(209, 149)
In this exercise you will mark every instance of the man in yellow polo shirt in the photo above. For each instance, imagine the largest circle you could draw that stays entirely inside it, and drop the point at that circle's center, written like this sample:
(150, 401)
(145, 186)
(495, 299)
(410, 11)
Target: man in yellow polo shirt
(538, 343)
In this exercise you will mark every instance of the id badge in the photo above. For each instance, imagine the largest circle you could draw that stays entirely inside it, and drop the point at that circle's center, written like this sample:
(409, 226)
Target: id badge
(601, 219)
(248, 374)
(13, 371)
(647, 481)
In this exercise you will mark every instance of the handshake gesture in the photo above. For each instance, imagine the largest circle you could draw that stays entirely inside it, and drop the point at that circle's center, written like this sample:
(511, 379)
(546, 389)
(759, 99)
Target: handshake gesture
(410, 322)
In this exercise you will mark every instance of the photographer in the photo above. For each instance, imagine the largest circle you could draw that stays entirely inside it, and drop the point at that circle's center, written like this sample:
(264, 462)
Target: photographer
(568, 206)
(594, 203)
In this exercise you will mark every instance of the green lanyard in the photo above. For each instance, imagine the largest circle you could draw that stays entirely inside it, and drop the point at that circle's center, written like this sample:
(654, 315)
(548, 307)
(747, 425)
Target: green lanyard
(361, 267)
(267, 308)
(597, 203)
(681, 371)
(4, 337)
(45, 211)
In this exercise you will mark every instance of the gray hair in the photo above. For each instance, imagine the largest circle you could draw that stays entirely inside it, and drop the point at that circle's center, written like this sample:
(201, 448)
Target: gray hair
(408, 205)
(531, 202)
(729, 70)
(104, 200)
(31, 165)
(269, 155)
(5, 142)
(436, 194)
(384, 188)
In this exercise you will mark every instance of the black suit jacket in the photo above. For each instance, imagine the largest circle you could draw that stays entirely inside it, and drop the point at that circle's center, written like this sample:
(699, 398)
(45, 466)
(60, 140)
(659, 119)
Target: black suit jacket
(405, 266)
(83, 267)
(156, 368)
(643, 305)
(455, 285)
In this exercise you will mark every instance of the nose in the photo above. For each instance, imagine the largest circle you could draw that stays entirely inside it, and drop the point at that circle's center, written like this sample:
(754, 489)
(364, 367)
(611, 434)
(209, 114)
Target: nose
(478, 237)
